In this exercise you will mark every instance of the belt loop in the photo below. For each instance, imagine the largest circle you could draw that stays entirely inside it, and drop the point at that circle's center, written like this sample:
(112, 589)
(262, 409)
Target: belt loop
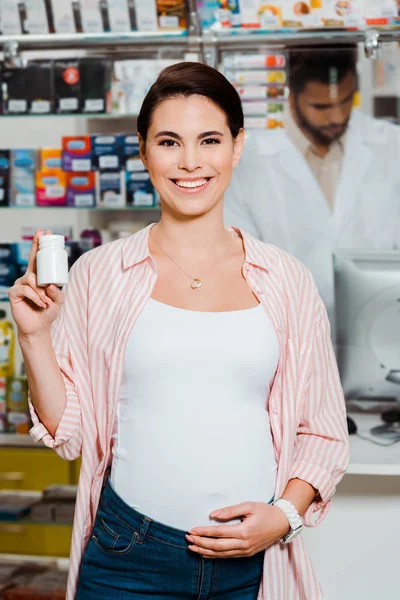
(145, 524)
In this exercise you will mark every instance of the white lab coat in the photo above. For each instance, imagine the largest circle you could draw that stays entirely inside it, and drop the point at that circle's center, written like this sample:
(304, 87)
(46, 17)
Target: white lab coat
(275, 197)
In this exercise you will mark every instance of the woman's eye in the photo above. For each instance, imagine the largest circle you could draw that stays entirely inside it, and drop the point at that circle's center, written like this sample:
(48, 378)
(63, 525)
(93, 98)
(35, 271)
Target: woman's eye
(168, 143)
(210, 141)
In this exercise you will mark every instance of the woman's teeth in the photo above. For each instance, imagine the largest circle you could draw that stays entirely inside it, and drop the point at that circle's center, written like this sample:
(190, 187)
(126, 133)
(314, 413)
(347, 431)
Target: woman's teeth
(191, 184)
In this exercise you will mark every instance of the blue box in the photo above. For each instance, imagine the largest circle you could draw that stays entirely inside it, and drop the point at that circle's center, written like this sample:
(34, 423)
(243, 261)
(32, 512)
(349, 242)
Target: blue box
(23, 177)
(139, 189)
(129, 151)
(106, 152)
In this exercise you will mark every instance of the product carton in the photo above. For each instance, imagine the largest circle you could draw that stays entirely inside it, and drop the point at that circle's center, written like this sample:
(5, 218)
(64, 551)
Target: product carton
(23, 168)
(51, 188)
(39, 84)
(344, 13)
(106, 152)
(10, 18)
(50, 159)
(18, 417)
(111, 189)
(119, 16)
(139, 189)
(172, 14)
(4, 177)
(77, 153)
(36, 22)
(81, 189)
(129, 152)
(307, 13)
(67, 86)
(63, 16)
(91, 16)
(15, 98)
(382, 12)
(146, 15)
(270, 13)
(95, 76)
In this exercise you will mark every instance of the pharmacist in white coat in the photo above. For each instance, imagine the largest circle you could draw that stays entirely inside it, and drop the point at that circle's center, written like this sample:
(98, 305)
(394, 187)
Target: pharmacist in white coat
(330, 179)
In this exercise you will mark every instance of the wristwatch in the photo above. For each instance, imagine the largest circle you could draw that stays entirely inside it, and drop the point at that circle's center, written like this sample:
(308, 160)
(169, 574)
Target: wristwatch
(295, 520)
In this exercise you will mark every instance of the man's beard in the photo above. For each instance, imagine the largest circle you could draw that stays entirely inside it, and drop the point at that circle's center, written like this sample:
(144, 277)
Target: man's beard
(316, 134)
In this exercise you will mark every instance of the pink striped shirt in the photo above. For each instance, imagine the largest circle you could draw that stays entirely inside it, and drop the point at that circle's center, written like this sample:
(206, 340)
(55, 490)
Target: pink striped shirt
(108, 288)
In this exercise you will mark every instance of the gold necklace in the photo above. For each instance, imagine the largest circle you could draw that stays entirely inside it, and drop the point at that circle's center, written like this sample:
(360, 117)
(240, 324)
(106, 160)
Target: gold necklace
(196, 282)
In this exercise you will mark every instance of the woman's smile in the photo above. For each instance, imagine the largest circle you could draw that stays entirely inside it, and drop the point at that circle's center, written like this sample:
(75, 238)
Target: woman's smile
(191, 185)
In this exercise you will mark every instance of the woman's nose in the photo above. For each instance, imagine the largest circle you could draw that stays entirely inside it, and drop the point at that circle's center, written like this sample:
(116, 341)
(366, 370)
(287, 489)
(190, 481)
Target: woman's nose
(190, 160)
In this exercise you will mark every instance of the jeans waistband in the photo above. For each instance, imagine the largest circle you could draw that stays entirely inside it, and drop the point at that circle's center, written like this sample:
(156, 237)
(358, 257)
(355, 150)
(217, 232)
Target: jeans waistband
(139, 521)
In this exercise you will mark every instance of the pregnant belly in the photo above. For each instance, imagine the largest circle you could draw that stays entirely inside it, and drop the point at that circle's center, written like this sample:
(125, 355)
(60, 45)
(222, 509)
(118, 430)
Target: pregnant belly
(177, 472)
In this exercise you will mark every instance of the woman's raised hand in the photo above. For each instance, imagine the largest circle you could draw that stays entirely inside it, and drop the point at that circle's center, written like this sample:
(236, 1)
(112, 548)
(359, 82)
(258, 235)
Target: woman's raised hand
(34, 308)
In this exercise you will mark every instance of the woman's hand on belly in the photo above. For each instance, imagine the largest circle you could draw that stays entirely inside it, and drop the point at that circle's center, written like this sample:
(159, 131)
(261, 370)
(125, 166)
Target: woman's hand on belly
(262, 525)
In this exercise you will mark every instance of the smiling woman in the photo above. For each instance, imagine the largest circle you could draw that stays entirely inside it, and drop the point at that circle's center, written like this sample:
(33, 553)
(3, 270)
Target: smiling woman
(192, 367)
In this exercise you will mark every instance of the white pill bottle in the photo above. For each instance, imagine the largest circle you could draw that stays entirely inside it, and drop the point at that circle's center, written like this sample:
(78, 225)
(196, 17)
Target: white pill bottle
(52, 261)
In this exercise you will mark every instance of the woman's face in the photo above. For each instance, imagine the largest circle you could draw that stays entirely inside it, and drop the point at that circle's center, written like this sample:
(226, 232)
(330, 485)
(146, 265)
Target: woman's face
(190, 154)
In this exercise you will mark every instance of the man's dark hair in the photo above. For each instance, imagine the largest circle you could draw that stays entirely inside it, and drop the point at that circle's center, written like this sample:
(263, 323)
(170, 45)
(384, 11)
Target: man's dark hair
(323, 64)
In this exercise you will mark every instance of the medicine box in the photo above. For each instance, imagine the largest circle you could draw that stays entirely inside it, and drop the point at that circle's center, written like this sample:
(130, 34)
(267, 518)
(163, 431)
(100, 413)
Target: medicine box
(36, 22)
(77, 153)
(382, 12)
(146, 15)
(344, 13)
(111, 189)
(307, 13)
(106, 152)
(67, 86)
(4, 177)
(139, 189)
(51, 188)
(129, 151)
(50, 159)
(23, 183)
(81, 189)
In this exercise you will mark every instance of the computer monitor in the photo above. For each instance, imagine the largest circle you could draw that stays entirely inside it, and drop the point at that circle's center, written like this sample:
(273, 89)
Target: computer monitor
(367, 290)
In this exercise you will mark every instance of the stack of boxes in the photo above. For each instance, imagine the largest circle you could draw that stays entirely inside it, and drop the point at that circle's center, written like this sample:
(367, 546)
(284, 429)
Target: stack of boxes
(88, 171)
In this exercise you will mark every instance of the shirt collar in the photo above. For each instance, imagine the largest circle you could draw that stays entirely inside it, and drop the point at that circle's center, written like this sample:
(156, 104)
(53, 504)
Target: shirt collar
(136, 248)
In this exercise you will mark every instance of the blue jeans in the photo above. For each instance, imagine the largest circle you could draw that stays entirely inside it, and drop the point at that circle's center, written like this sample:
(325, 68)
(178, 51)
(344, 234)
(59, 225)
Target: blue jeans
(130, 556)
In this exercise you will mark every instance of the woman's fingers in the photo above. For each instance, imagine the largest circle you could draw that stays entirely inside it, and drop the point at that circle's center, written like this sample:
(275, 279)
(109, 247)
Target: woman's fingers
(34, 251)
(30, 279)
(25, 291)
(55, 294)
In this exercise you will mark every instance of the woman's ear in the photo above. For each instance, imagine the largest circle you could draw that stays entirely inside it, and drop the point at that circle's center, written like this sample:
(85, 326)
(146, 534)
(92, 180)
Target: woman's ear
(238, 144)
(142, 150)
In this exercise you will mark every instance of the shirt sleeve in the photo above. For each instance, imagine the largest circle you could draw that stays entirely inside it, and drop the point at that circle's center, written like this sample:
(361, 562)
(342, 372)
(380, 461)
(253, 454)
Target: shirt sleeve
(322, 449)
(68, 329)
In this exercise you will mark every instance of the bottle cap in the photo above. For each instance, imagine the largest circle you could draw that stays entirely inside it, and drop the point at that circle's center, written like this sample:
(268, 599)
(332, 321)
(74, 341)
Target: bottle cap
(51, 241)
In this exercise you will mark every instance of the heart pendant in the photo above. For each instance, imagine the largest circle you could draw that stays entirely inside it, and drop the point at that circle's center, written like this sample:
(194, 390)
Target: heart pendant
(196, 283)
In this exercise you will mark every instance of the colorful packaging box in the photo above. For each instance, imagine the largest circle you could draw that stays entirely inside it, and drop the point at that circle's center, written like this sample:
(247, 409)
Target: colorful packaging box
(77, 153)
(81, 189)
(23, 183)
(3, 406)
(208, 10)
(344, 13)
(129, 151)
(67, 86)
(51, 188)
(146, 15)
(106, 152)
(18, 417)
(307, 13)
(382, 12)
(139, 189)
(4, 177)
(50, 159)
(111, 189)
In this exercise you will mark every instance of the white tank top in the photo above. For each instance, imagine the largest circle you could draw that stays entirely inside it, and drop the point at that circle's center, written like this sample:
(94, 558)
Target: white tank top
(192, 431)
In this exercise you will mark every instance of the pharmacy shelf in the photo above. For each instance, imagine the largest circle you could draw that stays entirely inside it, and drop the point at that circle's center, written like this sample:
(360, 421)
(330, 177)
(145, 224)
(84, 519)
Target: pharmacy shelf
(98, 40)
(225, 38)
(103, 208)
(106, 116)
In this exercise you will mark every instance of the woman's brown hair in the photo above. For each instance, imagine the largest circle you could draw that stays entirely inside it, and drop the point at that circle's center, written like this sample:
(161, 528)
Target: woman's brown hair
(188, 79)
